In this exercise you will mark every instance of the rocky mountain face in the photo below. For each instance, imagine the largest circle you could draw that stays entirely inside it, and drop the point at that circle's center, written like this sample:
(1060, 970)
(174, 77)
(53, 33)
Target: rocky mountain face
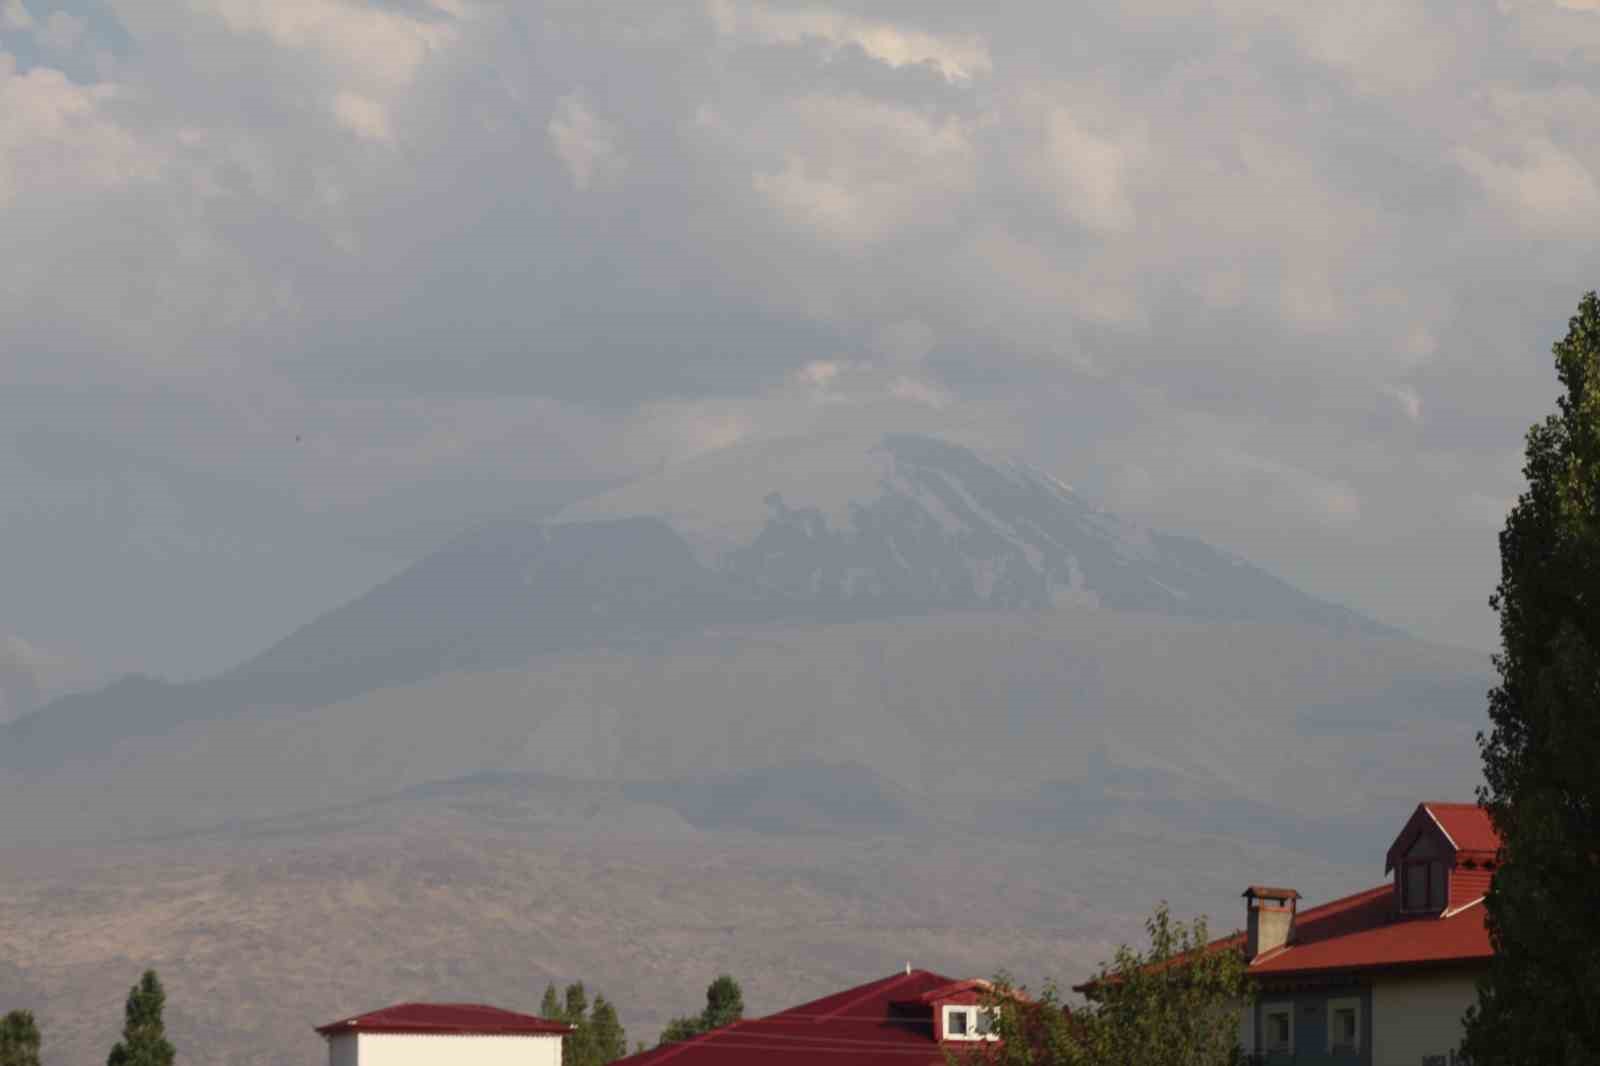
(798, 531)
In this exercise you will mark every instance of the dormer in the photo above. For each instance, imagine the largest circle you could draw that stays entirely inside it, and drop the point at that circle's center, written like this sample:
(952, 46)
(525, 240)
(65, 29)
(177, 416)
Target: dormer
(959, 1012)
(1443, 859)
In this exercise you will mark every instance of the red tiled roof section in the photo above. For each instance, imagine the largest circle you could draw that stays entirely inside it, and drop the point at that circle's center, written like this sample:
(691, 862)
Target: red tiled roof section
(884, 1021)
(446, 1019)
(1468, 825)
(1362, 932)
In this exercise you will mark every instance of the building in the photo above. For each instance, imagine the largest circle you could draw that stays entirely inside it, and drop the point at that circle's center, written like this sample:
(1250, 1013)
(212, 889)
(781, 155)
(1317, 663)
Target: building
(444, 1034)
(1381, 977)
(909, 1019)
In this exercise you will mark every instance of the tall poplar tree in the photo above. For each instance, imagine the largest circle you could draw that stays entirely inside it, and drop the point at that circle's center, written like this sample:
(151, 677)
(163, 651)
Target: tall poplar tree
(144, 1035)
(1541, 757)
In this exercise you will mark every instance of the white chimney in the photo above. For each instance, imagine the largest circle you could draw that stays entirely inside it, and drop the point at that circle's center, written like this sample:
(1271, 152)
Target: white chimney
(1269, 919)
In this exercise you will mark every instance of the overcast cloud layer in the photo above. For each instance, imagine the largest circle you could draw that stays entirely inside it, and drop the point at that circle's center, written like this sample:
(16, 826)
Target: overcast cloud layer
(294, 289)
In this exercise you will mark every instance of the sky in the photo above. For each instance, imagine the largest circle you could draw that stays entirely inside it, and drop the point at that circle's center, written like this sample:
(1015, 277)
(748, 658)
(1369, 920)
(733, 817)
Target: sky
(292, 291)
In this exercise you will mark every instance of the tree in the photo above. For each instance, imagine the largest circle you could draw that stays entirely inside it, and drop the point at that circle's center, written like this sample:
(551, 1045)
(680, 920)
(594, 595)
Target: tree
(607, 1039)
(724, 1006)
(550, 1005)
(144, 1037)
(1175, 1004)
(19, 1039)
(597, 1035)
(1541, 788)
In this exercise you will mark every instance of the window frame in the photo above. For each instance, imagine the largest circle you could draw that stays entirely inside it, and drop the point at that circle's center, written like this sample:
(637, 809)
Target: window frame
(1352, 1004)
(970, 1013)
(1268, 1010)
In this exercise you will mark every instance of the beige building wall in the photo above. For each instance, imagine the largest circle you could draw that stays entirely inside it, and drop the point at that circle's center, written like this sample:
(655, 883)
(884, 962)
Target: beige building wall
(1419, 1015)
(408, 1049)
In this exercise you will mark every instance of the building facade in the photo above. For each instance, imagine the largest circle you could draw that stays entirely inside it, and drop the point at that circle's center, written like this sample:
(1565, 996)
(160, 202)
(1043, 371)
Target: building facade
(1382, 977)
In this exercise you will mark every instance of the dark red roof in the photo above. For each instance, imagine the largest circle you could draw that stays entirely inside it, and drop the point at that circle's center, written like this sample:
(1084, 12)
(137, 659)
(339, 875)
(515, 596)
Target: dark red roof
(1467, 825)
(459, 1019)
(1363, 932)
(885, 1021)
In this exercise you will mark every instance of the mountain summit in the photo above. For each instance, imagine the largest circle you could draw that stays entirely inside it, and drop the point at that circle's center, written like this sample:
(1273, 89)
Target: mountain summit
(910, 524)
(805, 530)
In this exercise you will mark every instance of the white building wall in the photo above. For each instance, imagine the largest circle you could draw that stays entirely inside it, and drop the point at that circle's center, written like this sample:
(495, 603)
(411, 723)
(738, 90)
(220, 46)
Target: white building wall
(1417, 1016)
(409, 1049)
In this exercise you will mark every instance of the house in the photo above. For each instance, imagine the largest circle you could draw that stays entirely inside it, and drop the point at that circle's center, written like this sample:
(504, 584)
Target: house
(1381, 977)
(460, 1034)
(908, 1019)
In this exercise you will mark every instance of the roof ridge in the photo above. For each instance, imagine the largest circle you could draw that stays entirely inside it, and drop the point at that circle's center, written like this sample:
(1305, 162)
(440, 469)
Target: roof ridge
(884, 985)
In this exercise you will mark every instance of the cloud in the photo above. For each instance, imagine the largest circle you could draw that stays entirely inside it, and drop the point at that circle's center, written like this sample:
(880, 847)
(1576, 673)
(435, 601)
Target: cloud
(363, 116)
(1292, 271)
(957, 56)
(382, 47)
(589, 146)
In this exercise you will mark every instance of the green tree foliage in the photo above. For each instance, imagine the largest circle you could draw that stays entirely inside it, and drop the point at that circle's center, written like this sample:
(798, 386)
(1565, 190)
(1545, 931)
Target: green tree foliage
(597, 1035)
(144, 1037)
(550, 1005)
(724, 1006)
(19, 1039)
(1174, 1004)
(607, 1039)
(724, 1003)
(1537, 1004)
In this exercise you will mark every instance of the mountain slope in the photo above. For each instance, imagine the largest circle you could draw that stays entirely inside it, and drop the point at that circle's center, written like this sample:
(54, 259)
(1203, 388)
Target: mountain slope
(808, 530)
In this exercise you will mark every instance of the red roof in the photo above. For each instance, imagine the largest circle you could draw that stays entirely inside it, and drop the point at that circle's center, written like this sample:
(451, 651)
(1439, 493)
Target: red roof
(1467, 825)
(886, 1021)
(1363, 932)
(457, 1019)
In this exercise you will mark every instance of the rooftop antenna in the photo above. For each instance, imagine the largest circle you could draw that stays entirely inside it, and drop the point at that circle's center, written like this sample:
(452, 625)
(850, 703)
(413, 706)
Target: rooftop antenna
(908, 967)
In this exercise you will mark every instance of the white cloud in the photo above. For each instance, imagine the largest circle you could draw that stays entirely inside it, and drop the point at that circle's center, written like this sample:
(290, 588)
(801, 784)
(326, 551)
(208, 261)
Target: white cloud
(1088, 173)
(57, 135)
(589, 146)
(958, 57)
(856, 169)
(363, 116)
(379, 47)
(1541, 183)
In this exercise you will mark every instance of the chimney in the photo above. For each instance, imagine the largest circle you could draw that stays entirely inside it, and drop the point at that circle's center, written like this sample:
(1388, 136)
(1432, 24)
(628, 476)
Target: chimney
(1269, 914)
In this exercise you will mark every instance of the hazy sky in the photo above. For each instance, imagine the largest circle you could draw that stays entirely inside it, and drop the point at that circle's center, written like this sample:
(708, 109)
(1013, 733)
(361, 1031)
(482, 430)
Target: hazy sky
(293, 290)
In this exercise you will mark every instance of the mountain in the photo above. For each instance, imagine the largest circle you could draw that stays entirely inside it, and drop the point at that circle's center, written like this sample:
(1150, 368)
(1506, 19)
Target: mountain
(797, 711)
(808, 530)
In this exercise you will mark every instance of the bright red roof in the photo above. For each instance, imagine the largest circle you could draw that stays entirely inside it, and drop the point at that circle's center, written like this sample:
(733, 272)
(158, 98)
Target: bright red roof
(1363, 932)
(1467, 825)
(458, 1019)
(885, 1021)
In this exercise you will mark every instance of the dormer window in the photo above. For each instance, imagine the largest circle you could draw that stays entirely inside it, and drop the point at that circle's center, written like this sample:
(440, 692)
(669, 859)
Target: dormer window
(1421, 877)
(967, 1023)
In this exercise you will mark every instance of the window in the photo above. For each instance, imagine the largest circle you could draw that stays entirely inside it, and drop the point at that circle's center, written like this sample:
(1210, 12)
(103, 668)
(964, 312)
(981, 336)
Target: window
(1277, 1025)
(1422, 876)
(1344, 1026)
(968, 1023)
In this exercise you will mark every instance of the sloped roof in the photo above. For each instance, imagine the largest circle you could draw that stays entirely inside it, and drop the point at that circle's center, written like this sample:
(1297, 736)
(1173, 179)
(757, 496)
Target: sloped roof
(1467, 825)
(1362, 932)
(884, 1021)
(446, 1019)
